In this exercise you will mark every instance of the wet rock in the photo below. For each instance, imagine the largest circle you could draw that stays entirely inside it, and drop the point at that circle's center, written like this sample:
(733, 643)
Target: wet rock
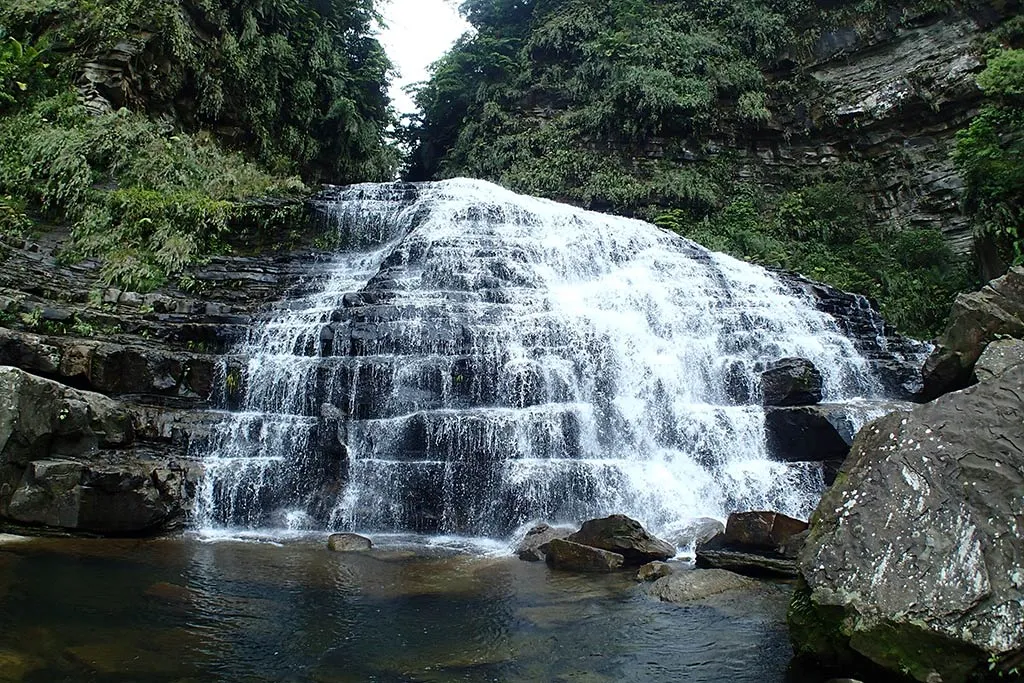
(791, 382)
(575, 557)
(66, 462)
(998, 357)
(809, 434)
(761, 530)
(913, 559)
(690, 586)
(977, 319)
(755, 543)
(696, 531)
(746, 562)
(348, 543)
(624, 536)
(532, 547)
(652, 571)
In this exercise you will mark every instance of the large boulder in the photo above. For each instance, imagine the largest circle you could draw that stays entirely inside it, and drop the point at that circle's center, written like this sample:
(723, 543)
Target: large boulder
(791, 382)
(575, 557)
(534, 544)
(625, 536)
(915, 558)
(66, 462)
(977, 318)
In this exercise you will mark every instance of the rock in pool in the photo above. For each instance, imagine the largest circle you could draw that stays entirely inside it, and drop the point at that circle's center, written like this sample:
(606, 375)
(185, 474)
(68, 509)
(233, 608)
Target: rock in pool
(626, 537)
(575, 557)
(534, 545)
(348, 543)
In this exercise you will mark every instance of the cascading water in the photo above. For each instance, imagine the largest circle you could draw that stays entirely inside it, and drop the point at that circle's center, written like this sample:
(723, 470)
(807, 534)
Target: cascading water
(474, 359)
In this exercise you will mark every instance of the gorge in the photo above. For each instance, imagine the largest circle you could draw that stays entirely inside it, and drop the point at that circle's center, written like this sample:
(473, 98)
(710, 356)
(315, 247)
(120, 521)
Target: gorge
(653, 270)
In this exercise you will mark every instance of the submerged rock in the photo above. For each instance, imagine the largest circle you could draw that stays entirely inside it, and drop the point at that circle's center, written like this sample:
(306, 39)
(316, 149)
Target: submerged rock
(688, 586)
(625, 536)
(534, 544)
(791, 382)
(914, 558)
(348, 543)
(576, 557)
(652, 571)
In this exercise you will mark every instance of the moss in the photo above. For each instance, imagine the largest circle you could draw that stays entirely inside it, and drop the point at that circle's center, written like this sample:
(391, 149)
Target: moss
(831, 635)
(817, 631)
(917, 652)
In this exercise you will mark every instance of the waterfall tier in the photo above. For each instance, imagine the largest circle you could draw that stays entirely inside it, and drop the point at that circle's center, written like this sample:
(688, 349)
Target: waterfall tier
(472, 359)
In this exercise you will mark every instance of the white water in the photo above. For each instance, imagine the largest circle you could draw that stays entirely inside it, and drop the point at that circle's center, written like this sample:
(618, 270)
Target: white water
(516, 359)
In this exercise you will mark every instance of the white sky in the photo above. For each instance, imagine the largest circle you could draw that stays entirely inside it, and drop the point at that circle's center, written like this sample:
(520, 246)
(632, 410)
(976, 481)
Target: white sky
(418, 32)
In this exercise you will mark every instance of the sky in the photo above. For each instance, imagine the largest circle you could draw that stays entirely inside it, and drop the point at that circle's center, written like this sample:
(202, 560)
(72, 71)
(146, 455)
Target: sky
(418, 32)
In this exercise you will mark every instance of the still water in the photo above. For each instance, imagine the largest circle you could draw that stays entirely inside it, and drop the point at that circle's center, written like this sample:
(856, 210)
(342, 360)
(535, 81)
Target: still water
(182, 610)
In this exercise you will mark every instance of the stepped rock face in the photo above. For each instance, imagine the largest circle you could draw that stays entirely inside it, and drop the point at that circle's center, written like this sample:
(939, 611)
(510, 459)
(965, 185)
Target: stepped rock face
(104, 448)
(890, 96)
(435, 374)
(915, 558)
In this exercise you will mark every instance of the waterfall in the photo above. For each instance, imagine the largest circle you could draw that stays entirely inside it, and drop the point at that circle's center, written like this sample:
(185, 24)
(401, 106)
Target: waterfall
(472, 359)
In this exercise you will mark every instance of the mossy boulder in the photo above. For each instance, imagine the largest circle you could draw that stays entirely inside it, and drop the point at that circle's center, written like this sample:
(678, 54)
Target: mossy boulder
(914, 558)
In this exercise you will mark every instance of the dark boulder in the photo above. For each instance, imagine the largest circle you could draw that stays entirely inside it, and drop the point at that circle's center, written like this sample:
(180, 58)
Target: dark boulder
(625, 536)
(809, 434)
(755, 543)
(66, 462)
(348, 543)
(791, 382)
(761, 530)
(575, 557)
(977, 319)
(533, 545)
(914, 556)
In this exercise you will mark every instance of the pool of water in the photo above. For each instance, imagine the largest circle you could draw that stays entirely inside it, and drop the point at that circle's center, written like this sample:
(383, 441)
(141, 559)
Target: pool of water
(182, 610)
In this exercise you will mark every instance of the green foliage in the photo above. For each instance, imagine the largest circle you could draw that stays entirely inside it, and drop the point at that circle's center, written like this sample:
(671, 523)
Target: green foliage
(21, 68)
(989, 153)
(146, 202)
(292, 86)
(819, 230)
(300, 85)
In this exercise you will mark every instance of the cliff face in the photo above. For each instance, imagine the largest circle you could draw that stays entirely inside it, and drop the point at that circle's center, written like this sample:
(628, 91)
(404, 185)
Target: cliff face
(105, 389)
(892, 99)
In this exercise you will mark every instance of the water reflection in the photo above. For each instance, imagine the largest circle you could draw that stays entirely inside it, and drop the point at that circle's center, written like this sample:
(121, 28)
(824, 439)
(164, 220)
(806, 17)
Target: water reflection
(182, 610)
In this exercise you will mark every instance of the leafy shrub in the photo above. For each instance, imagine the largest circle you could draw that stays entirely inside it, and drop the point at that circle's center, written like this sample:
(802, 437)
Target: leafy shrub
(147, 202)
(989, 153)
(300, 85)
